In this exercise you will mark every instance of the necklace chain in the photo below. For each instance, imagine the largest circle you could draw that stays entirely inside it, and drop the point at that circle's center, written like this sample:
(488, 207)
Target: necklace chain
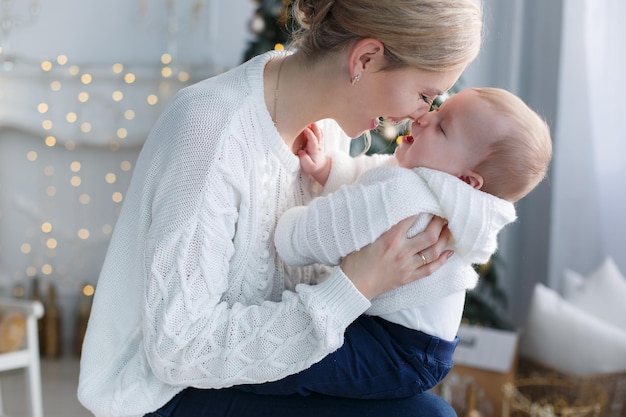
(280, 68)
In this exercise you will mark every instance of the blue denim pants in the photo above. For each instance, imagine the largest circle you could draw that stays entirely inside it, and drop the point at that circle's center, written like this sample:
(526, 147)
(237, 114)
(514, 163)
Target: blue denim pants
(379, 360)
(383, 369)
(232, 402)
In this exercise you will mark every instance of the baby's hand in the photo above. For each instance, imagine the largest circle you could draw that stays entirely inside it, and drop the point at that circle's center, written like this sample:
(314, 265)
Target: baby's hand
(313, 160)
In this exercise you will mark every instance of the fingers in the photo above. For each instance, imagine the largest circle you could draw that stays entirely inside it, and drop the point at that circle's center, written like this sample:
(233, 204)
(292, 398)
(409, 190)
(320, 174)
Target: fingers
(431, 243)
(431, 266)
(314, 139)
(398, 260)
(319, 134)
(306, 162)
(429, 248)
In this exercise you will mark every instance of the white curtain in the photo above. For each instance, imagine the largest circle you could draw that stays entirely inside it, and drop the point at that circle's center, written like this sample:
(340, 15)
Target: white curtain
(566, 59)
(520, 53)
(589, 171)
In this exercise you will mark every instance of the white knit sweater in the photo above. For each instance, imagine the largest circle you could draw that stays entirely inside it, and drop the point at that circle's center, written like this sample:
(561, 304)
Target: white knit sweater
(191, 292)
(336, 224)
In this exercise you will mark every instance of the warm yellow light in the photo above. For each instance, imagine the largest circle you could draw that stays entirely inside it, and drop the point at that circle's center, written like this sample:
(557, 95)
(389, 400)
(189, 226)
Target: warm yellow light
(50, 141)
(46, 124)
(71, 117)
(42, 108)
(83, 234)
(110, 178)
(76, 181)
(46, 269)
(117, 197)
(46, 227)
(166, 59)
(129, 78)
(25, 248)
(118, 68)
(85, 79)
(62, 59)
(126, 166)
(46, 65)
(84, 198)
(88, 290)
(51, 191)
(122, 133)
(129, 114)
(55, 85)
(51, 243)
(83, 97)
(152, 99)
(117, 95)
(32, 156)
(75, 166)
(166, 72)
(85, 127)
(74, 70)
(183, 76)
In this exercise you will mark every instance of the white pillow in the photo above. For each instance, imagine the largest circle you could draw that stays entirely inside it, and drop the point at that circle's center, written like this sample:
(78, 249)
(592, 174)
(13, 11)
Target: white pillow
(568, 339)
(572, 281)
(602, 294)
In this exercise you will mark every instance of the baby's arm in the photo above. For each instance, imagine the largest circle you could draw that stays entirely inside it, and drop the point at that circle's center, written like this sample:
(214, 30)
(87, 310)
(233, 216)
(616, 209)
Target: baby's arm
(334, 169)
(333, 226)
(313, 159)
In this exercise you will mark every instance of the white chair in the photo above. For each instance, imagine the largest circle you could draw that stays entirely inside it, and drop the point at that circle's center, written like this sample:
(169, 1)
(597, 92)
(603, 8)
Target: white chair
(27, 357)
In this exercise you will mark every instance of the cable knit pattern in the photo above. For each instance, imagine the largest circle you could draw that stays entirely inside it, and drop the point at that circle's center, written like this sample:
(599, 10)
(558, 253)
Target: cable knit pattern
(191, 292)
(334, 225)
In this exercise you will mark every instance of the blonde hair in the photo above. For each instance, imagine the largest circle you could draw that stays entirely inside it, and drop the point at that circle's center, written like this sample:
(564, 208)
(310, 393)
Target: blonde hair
(519, 157)
(431, 35)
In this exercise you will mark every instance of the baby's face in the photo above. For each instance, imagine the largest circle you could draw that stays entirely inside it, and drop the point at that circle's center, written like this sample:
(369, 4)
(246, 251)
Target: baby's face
(452, 139)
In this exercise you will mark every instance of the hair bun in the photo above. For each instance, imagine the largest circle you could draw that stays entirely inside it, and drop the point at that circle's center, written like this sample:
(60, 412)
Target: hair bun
(309, 13)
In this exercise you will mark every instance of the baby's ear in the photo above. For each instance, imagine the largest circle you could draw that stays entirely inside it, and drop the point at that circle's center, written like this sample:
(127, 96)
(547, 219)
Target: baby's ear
(473, 178)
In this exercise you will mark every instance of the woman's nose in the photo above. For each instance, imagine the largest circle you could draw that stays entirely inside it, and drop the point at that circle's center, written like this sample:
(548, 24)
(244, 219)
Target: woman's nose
(421, 111)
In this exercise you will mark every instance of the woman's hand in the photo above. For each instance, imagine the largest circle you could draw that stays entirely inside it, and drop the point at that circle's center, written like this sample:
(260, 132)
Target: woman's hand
(394, 260)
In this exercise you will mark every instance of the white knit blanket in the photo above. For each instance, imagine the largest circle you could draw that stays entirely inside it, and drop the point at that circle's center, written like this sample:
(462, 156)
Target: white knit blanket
(333, 226)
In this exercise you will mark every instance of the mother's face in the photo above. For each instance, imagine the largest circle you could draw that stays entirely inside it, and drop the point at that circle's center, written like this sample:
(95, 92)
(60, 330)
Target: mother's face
(398, 94)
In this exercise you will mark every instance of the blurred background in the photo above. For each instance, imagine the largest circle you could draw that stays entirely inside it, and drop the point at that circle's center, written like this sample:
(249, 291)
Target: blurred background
(81, 83)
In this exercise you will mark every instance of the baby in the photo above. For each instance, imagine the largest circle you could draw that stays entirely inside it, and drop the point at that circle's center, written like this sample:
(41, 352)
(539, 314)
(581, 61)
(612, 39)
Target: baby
(468, 161)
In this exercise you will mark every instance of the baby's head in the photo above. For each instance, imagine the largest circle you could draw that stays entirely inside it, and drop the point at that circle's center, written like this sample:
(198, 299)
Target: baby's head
(487, 137)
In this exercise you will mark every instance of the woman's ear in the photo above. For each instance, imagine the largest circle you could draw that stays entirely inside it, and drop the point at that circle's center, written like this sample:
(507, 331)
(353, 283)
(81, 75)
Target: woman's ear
(364, 54)
(473, 178)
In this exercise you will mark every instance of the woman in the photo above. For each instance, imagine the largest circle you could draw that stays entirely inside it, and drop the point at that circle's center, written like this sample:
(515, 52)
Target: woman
(192, 299)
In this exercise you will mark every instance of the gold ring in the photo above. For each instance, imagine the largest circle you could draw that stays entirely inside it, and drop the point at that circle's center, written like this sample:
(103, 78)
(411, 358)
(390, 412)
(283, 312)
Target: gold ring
(423, 258)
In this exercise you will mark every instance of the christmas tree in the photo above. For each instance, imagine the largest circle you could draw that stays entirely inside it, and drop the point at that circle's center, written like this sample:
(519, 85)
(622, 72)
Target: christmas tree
(271, 23)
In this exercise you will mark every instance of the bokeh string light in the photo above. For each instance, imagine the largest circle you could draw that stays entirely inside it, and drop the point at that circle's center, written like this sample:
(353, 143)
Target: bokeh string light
(89, 116)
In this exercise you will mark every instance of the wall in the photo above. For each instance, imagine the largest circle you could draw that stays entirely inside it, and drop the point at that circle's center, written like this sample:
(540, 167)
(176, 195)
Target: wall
(72, 124)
